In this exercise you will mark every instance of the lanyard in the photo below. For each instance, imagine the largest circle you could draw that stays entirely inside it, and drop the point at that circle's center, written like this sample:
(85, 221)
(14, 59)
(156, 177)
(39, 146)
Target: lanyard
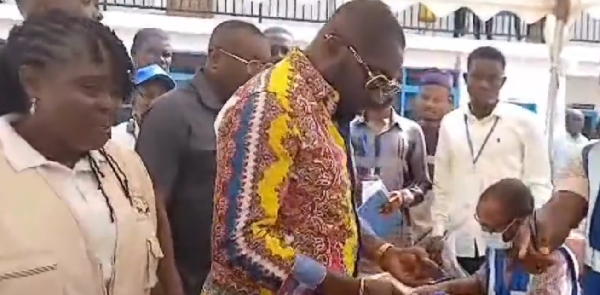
(474, 157)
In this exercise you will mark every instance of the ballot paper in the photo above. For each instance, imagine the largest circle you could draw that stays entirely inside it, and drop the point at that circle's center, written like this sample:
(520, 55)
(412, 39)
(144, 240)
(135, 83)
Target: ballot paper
(374, 197)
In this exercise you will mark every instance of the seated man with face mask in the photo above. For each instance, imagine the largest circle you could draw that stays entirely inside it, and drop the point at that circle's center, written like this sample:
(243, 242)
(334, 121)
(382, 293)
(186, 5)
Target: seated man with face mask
(501, 209)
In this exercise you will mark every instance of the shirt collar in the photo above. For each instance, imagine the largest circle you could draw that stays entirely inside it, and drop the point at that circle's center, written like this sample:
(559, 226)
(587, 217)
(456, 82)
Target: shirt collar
(314, 86)
(21, 155)
(498, 112)
(205, 92)
(579, 139)
(395, 119)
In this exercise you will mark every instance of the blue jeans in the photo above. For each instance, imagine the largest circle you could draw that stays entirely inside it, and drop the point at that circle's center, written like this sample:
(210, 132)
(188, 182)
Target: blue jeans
(590, 282)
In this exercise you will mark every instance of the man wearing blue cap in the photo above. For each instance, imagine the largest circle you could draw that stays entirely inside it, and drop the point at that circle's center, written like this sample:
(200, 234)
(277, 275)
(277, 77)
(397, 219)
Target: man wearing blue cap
(152, 81)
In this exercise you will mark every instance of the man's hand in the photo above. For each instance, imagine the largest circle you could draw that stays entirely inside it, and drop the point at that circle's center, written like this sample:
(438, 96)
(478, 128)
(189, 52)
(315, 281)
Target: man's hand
(434, 244)
(410, 266)
(434, 247)
(532, 243)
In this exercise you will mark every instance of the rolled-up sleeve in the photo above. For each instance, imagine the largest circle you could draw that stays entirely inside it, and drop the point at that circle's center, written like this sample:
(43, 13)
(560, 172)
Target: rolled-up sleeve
(257, 141)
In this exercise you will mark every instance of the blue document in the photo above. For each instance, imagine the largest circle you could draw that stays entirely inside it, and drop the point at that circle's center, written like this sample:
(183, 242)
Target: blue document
(375, 196)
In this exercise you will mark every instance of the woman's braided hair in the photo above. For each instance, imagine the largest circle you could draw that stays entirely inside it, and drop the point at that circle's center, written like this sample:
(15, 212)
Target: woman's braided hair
(48, 38)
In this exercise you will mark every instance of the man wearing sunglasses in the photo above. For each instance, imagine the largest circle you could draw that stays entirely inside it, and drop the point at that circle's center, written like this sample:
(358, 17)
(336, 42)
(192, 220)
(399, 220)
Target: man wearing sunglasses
(177, 142)
(285, 216)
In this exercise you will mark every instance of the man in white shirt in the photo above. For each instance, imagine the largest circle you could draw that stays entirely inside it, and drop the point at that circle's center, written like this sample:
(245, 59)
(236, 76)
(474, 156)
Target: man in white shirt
(152, 81)
(569, 144)
(480, 144)
(574, 123)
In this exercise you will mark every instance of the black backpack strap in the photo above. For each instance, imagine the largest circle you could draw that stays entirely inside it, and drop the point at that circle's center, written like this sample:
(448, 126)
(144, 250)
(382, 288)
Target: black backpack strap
(585, 154)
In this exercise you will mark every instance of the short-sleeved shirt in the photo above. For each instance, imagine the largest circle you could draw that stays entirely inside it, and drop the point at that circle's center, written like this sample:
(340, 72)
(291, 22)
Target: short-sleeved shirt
(177, 145)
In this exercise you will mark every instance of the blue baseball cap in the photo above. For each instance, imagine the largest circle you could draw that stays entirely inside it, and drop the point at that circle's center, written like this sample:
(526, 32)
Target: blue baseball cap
(151, 73)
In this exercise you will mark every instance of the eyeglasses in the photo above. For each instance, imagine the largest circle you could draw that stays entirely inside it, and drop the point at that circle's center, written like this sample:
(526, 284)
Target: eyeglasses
(374, 82)
(253, 66)
(487, 228)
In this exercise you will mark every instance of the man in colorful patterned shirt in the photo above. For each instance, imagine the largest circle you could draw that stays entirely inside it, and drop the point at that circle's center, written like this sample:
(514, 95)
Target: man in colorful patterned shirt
(284, 213)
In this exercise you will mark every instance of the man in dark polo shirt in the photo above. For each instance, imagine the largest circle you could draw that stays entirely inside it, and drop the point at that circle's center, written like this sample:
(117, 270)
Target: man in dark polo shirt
(177, 142)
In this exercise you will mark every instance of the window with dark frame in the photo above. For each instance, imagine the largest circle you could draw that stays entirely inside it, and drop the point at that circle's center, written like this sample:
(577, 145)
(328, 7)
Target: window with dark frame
(188, 62)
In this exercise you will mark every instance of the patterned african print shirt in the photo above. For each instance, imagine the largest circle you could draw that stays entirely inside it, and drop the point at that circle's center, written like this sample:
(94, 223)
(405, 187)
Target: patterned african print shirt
(283, 205)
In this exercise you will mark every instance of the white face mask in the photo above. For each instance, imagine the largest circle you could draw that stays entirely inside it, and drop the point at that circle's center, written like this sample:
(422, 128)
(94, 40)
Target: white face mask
(495, 241)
